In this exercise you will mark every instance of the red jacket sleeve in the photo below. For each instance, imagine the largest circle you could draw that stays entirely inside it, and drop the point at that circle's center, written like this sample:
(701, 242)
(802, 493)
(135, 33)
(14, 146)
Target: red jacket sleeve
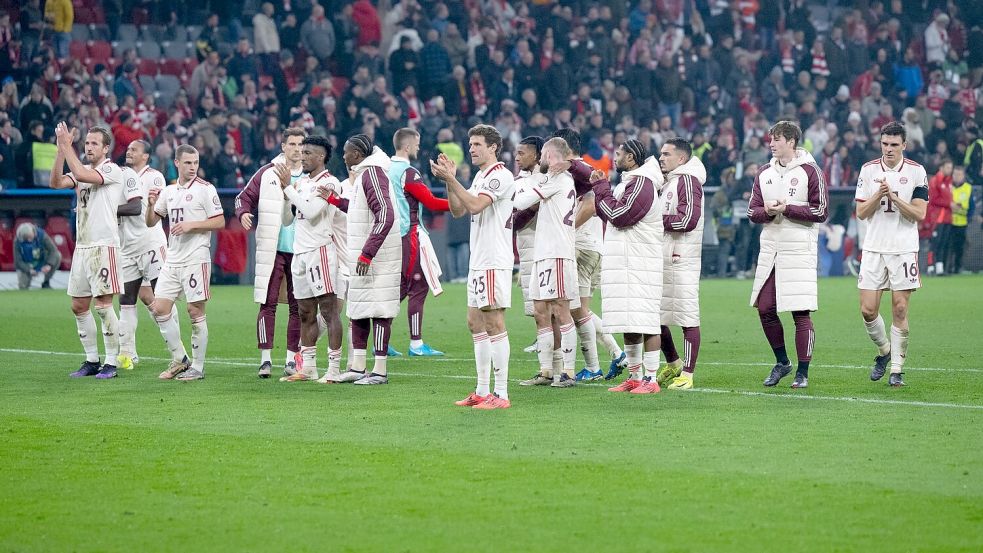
(415, 187)
(522, 217)
(248, 200)
(818, 209)
(375, 184)
(634, 204)
(580, 172)
(689, 206)
(756, 207)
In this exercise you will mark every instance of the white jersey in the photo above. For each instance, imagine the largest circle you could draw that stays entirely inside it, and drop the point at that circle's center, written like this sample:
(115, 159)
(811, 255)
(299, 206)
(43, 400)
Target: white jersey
(95, 213)
(195, 201)
(315, 216)
(136, 237)
(888, 231)
(491, 230)
(555, 235)
(590, 235)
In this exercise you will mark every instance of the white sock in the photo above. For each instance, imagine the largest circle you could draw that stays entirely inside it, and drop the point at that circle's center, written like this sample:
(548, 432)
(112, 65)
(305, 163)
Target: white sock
(265, 356)
(650, 363)
(309, 354)
(358, 360)
(899, 348)
(290, 356)
(181, 354)
(633, 354)
(500, 351)
(482, 362)
(878, 334)
(171, 332)
(588, 342)
(110, 333)
(199, 343)
(128, 329)
(86, 325)
(557, 362)
(604, 338)
(415, 344)
(334, 362)
(380, 365)
(544, 343)
(568, 345)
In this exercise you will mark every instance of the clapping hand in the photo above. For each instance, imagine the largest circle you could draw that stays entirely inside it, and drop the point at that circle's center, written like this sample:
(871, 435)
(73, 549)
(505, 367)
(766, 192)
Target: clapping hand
(283, 173)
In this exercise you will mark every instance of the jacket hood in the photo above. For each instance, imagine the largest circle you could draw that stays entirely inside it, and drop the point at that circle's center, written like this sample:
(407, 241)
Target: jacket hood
(802, 157)
(650, 170)
(279, 159)
(377, 158)
(694, 167)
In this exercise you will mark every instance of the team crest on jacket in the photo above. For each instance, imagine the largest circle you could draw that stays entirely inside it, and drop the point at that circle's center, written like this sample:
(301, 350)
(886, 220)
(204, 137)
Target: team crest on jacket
(216, 201)
(494, 184)
(903, 180)
(795, 181)
(669, 195)
(188, 198)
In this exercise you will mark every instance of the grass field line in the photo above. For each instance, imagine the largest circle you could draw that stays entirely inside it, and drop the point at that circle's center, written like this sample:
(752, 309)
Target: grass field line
(250, 361)
(746, 393)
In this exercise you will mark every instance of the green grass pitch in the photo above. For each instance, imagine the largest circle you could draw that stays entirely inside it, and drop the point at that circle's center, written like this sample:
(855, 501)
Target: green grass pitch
(234, 463)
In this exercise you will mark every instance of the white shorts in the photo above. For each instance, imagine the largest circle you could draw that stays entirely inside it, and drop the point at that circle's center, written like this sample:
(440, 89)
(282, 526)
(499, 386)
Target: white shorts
(314, 273)
(553, 279)
(490, 288)
(886, 271)
(146, 266)
(588, 272)
(189, 281)
(95, 272)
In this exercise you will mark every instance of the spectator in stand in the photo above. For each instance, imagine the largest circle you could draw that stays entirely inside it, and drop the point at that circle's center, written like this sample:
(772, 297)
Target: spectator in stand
(128, 84)
(404, 64)
(937, 41)
(940, 212)
(369, 27)
(962, 198)
(60, 15)
(242, 65)
(35, 254)
(267, 37)
(37, 108)
(126, 130)
(317, 35)
(201, 74)
(31, 26)
(435, 66)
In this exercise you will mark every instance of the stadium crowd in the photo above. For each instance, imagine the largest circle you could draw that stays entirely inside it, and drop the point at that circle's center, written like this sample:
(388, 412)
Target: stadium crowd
(718, 73)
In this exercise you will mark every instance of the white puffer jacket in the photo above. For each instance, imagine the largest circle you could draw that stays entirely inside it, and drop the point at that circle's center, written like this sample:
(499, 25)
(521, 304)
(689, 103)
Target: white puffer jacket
(268, 223)
(683, 250)
(376, 294)
(790, 246)
(631, 266)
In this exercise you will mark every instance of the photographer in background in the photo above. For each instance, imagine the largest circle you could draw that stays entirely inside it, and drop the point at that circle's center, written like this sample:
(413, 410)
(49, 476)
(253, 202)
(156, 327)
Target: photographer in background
(34, 253)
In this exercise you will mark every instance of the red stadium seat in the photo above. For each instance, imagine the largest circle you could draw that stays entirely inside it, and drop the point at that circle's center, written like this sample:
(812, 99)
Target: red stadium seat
(171, 67)
(6, 248)
(148, 67)
(60, 231)
(190, 64)
(100, 50)
(78, 50)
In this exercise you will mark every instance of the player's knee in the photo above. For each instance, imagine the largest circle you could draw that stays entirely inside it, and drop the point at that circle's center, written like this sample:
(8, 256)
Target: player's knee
(869, 312)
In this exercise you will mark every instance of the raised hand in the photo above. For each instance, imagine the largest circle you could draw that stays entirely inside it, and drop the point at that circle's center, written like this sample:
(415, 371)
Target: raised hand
(283, 173)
